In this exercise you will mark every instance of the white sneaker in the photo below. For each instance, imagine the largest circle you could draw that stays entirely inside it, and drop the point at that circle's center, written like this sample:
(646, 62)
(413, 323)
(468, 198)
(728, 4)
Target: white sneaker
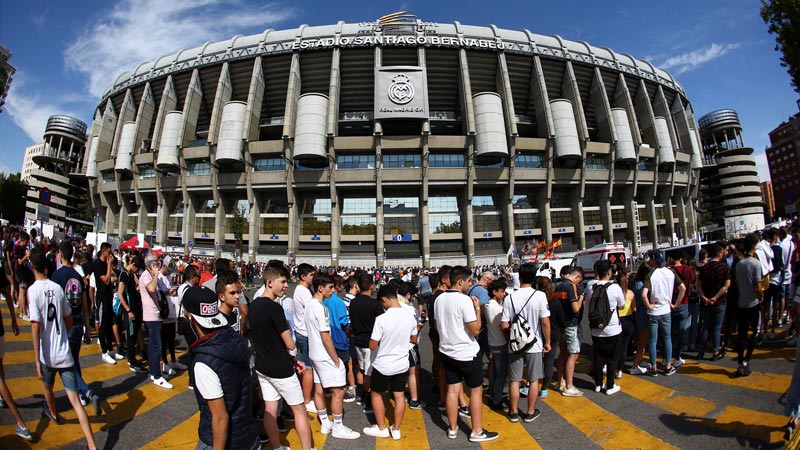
(342, 432)
(167, 369)
(376, 432)
(177, 365)
(326, 428)
(161, 382)
(108, 358)
(115, 355)
(310, 407)
(572, 392)
(679, 362)
(395, 433)
(639, 370)
(613, 390)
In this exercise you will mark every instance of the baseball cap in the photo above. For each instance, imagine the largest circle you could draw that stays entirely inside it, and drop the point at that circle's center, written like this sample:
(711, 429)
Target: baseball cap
(659, 257)
(202, 304)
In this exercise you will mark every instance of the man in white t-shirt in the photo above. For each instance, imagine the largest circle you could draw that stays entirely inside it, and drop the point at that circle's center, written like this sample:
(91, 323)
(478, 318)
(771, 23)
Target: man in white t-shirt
(606, 342)
(458, 324)
(301, 297)
(394, 330)
(51, 321)
(657, 297)
(530, 304)
(329, 371)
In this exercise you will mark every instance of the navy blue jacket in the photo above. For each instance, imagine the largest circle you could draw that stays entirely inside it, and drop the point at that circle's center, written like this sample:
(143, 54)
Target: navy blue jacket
(225, 352)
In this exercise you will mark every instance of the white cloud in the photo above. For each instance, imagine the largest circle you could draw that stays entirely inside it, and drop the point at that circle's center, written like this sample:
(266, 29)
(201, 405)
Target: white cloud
(761, 165)
(696, 58)
(31, 111)
(137, 31)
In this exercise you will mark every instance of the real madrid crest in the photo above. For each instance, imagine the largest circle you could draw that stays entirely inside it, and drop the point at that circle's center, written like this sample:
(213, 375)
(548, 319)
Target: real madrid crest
(401, 91)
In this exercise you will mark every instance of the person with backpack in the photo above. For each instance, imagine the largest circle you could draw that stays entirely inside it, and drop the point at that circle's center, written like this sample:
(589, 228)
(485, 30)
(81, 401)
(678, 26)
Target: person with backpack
(572, 302)
(606, 299)
(527, 320)
(556, 326)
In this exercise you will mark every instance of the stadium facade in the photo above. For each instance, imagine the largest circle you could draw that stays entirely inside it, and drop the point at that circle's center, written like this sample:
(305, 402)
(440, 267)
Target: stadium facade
(394, 142)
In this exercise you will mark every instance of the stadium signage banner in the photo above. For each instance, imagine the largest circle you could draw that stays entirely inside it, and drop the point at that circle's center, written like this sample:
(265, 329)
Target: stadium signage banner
(401, 92)
(410, 40)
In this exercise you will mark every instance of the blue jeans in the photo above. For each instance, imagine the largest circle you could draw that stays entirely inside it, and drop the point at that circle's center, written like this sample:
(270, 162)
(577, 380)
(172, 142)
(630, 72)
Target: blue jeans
(500, 372)
(713, 318)
(662, 323)
(75, 341)
(154, 348)
(694, 317)
(681, 321)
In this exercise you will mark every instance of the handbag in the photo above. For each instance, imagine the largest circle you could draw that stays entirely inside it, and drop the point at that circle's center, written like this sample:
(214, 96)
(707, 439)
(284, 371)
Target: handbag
(163, 305)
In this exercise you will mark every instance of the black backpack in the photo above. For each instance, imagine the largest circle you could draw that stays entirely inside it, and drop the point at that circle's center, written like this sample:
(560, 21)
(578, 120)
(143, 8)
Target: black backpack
(599, 307)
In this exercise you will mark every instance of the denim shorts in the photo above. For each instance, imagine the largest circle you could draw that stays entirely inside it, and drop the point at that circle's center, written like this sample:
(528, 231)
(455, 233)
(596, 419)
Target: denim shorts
(69, 377)
(302, 349)
(571, 338)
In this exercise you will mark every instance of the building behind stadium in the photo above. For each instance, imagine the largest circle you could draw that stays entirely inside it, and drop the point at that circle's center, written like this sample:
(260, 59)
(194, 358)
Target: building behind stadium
(394, 142)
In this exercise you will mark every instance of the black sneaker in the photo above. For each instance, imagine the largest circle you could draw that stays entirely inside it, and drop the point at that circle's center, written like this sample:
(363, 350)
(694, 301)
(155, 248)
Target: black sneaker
(484, 436)
(263, 437)
(463, 411)
(746, 371)
(136, 367)
(528, 418)
(497, 407)
(670, 371)
(513, 417)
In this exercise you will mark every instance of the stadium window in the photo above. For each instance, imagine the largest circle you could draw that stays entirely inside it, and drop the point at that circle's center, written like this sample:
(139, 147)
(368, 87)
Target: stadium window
(199, 168)
(594, 162)
(401, 160)
(355, 161)
(446, 160)
(530, 161)
(269, 164)
(145, 172)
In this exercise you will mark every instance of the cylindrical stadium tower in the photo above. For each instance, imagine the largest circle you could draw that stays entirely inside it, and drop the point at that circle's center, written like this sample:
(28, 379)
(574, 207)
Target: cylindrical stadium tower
(59, 174)
(730, 188)
(395, 144)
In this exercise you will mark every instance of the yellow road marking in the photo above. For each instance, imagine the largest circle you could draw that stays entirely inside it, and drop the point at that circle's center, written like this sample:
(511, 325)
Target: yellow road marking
(745, 423)
(512, 435)
(184, 435)
(123, 408)
(26, 356)
(602, 427)
(759, 381)
(412, 430)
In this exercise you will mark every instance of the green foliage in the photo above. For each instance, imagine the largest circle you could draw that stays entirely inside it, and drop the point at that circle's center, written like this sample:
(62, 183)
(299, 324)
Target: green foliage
(783, 19)
(12, 193)
(238, 223)
(454, 227)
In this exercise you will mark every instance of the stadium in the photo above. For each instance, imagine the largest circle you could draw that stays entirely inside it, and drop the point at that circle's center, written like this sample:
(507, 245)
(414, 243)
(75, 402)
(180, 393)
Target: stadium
(396, 141)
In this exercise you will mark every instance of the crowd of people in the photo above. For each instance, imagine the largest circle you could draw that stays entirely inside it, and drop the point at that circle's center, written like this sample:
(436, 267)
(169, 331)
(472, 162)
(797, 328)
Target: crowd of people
(499, 334)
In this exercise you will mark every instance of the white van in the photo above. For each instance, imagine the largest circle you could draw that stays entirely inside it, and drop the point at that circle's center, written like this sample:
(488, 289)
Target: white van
(616, 253)
(549, 266)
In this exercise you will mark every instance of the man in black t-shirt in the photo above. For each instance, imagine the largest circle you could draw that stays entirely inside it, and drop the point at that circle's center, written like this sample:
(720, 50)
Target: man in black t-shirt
(276, 364)
(363, 311)
(102, 267)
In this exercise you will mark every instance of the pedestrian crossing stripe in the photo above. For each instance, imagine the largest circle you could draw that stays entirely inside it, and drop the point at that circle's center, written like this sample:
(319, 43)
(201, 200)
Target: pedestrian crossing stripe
(759, 381)
(184, 435)
(24, 356)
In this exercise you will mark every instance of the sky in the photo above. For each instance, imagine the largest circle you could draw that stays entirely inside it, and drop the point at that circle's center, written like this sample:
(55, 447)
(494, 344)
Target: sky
(67, 53)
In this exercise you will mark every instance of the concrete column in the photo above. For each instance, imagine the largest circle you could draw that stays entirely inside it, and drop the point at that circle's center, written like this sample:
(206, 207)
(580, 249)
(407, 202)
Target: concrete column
(189, 225)
(682, 223)
(669, 217)
(219, 226)
(168, 103)
(579, 236)
(336, 207)
(650, 207)
(508, 194)
(606, 219)
(380, 228)
(631, 233)
(255, 226)
(469, 229)
(425, 235)
(161, 223)
(544, 215)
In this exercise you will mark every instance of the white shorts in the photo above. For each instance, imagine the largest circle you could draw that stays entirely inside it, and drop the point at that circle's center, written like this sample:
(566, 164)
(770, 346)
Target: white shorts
(273, 389)
(328, 375)
(2, 347)
(364, 357)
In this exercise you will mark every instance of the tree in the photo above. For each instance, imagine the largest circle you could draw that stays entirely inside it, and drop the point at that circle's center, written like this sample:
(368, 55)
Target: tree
(783, 18)
(12, 191)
